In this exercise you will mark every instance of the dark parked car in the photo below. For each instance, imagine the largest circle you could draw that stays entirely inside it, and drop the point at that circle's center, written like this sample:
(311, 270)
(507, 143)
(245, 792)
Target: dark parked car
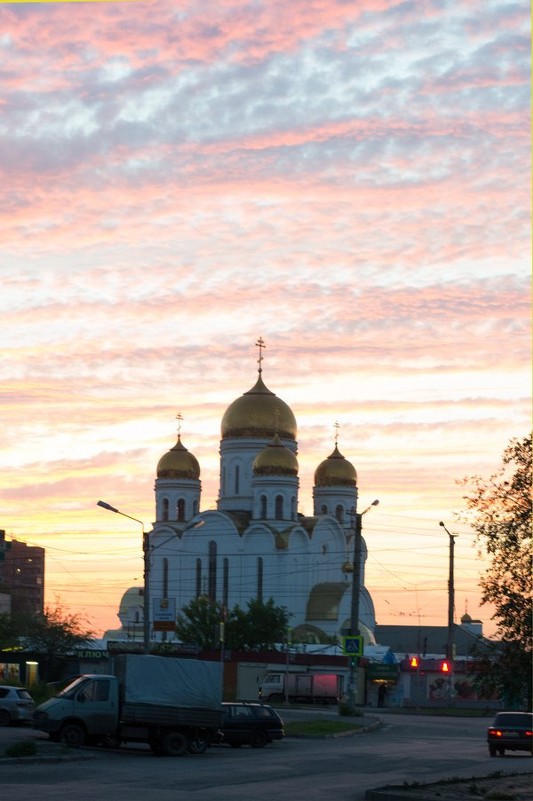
(16, 705)
(510, 731)
(250, 724)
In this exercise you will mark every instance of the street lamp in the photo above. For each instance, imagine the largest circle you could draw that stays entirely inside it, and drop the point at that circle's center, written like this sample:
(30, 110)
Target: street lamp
(146, 577)
(356, 589)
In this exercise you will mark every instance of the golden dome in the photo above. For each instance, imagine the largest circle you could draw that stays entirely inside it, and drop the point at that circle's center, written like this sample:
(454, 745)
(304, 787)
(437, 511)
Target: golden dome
(275, 460)
(335, 471)
(258, 413)
(178, 463)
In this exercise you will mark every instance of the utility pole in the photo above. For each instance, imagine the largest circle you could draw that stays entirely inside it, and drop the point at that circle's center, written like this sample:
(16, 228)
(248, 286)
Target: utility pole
(354, 611)
(450, 650)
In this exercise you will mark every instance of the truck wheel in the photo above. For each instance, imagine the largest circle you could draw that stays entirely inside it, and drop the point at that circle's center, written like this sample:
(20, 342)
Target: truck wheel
(73, 735)
(258, 738)
(197, 745)
(175, 743)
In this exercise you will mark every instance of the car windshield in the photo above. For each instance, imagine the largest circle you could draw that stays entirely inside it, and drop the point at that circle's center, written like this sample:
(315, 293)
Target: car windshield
(70, 689)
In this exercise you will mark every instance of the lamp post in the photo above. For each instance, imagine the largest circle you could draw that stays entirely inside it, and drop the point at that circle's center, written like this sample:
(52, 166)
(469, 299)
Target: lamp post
(354, 611)
(146, 576)
(451, 605)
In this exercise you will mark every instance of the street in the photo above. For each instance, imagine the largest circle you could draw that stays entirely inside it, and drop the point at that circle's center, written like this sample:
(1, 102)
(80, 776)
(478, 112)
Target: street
(405, 749)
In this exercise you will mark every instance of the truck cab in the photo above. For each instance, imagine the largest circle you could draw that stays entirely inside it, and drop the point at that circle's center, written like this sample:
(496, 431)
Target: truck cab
(87, 707)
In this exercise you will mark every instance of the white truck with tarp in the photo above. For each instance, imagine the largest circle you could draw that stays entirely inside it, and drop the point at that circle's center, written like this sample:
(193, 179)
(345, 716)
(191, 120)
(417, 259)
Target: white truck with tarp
(173, 704)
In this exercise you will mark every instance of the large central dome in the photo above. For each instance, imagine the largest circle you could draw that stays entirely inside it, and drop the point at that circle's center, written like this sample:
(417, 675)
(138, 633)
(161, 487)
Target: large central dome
(259, 413)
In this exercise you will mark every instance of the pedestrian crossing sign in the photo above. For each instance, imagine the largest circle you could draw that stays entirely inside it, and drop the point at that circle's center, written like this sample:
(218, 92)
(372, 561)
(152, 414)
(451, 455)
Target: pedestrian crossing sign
(352, 645)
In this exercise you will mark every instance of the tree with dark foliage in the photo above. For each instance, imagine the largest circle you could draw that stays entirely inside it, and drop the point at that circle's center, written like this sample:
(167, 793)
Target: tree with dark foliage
(53, 632)
(499, 511)
(199, 621)
(260, 626)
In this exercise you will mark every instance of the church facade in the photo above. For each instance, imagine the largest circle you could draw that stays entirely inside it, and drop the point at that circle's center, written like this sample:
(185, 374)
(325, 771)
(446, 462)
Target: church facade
(256, 544)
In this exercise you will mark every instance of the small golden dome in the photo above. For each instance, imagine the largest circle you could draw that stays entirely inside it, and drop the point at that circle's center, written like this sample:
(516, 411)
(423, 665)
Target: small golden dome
(275, 460)
(335, 471)
(347, 567)
(258, 413)
(178, 463)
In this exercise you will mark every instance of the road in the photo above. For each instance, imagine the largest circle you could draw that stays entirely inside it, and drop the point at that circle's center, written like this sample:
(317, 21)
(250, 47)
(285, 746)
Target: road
(405, 749)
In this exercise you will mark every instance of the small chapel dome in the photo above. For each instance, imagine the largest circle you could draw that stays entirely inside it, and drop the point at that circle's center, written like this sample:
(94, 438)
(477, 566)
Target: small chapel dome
(258, 413)
(133, 597)
(178, 462)
(335, 471)
(466, 618)
(275, 460)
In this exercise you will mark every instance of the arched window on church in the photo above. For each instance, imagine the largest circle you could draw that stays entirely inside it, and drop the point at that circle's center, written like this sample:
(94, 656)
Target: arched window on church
(323, 509)
(339, 513)
(279, 507)
(263, 513)
(225, 582)
(181, 510)
(293, 508)
(237, 479)
(165, 589)
(259, 578)
(198, 577)
(212, 572)
(165, 509)
(165, 578)
(194, 508)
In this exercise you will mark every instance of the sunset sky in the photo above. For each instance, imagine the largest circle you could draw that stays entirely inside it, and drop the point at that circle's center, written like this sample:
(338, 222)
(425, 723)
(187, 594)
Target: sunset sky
(348, 180)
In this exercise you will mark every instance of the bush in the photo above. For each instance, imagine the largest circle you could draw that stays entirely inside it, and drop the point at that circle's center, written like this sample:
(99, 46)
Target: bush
(346, 709)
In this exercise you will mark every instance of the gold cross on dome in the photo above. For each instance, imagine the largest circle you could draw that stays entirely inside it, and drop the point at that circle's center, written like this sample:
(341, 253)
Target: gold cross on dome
(261, 345)
(179, 418)
(336, 426)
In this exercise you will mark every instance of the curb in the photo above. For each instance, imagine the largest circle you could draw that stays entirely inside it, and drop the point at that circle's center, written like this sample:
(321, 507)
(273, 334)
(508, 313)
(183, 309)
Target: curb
(393, 794)
(51, 758)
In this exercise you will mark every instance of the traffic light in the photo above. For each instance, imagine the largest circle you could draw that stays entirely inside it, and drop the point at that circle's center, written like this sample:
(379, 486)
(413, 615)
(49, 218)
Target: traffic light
(445, 667)
(413, 662)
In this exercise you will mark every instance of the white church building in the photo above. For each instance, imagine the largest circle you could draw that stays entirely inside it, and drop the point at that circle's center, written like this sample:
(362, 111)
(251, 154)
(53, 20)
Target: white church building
(256, 544)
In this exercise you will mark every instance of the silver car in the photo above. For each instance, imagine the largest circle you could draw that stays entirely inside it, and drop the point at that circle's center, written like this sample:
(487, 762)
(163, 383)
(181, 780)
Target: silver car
(16, 705)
